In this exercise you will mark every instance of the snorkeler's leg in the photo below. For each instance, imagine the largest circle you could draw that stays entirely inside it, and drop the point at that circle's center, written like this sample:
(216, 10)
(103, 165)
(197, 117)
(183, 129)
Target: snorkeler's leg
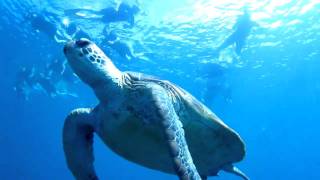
(239, 46)
(131, 54)
(230, 40)
(106, 29)
(47, 85)
(126, 50)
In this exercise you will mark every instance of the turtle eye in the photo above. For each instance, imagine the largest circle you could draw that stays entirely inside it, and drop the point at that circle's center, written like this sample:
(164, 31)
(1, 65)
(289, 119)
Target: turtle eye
(82, 43)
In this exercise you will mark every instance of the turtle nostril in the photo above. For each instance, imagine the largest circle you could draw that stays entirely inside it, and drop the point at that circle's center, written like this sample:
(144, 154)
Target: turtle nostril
(82, 43)
(65, 49)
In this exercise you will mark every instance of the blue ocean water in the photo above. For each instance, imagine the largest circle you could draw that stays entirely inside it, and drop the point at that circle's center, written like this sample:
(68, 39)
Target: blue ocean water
(269, 93)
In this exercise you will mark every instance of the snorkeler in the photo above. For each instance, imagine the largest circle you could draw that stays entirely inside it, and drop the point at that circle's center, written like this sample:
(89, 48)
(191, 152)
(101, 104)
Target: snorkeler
(24, 81)
(240, 33)
(76, 32)
(44, 22)
(216, 84)
(124, 13)
(54, 69)
(28, 80)
(51, 25)
(121, 47)
(57, 70)
(58, 78)
(67, 75)
(46, 84)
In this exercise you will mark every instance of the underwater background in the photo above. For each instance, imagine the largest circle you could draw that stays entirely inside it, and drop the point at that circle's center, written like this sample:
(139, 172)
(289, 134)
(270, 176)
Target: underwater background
(268, 93)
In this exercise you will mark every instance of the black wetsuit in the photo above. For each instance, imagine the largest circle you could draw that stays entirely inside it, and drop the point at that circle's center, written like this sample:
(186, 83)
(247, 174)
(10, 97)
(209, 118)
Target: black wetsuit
(241, 31)
(119, 46)
(216, 83)
(42, 23)
(125, 13)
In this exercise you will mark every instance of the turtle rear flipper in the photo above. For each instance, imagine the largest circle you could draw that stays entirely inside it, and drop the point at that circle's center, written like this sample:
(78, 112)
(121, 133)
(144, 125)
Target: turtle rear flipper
(174, 134)
(234, 170)
(77, 144)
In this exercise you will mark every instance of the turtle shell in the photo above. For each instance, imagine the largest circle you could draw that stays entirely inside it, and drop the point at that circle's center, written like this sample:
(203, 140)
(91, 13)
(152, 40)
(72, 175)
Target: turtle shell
(211, 142)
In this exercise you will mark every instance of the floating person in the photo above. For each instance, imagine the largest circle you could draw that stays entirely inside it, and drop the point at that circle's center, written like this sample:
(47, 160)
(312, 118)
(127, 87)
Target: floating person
(42, 23)
(24, 82)
(121, 47)
(76, 32)
(51, 25)
(54, 69)
(124, 13)
(58, 78)
(47, 84)
(47, 23)
(28, 80)
(240, 33)
(55, 80)
(67, 75)
(216, 84)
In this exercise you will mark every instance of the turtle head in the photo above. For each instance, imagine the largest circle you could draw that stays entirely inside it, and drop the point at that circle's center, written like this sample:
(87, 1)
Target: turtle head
(89, 62)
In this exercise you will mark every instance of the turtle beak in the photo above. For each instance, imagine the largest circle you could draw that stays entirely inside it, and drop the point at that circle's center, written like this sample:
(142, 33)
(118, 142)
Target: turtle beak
(69, 45)
(83, 42)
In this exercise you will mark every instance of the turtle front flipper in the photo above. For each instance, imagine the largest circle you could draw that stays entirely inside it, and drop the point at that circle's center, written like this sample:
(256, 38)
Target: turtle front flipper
(174, 133)
(77, 144)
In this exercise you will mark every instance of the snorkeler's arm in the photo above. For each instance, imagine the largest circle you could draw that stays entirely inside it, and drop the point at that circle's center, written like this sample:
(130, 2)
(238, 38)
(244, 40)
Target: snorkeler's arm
(114, 41)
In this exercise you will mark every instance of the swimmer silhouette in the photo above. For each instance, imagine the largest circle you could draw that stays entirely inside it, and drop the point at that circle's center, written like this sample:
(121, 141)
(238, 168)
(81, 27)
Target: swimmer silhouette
(124, 13)
(54, 69)
(216, 84)
(240, 33)
(121, 47)
(42, 22)
(24, 81)
(27, 79)
(57, 70)
(76, 32)
(46, 84)
(108, 15)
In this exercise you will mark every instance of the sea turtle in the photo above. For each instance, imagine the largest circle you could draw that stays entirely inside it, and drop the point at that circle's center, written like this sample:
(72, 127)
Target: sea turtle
(148, 121)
